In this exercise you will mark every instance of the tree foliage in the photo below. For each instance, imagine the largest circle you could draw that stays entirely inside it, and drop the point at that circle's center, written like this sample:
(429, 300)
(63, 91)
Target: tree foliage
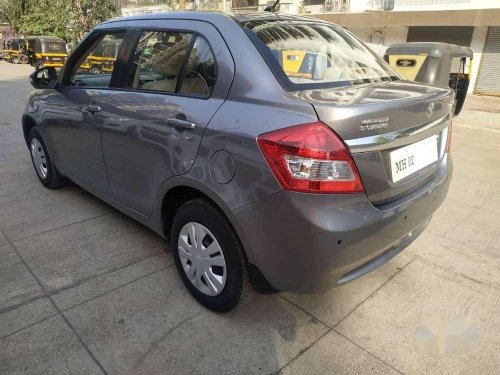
(44, 17)
(85, 14)
(68, 19)
(11, 11)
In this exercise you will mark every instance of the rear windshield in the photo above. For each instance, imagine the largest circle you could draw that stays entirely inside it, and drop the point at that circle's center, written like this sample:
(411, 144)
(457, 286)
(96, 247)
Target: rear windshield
(308, 54)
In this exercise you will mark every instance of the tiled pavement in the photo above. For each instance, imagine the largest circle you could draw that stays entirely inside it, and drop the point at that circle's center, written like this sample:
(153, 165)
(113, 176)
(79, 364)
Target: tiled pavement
(86, 290)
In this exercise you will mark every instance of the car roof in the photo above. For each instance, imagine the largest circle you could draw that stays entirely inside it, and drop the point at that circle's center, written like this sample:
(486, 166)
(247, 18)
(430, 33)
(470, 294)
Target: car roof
(270, 16)
(214, 17)
(191, 15)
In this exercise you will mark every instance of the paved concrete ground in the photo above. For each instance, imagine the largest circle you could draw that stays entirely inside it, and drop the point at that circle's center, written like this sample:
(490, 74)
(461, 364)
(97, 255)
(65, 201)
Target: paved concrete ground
(84, 289)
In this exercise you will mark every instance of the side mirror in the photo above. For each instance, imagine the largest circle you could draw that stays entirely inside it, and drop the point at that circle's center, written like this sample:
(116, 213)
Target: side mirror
(44, 78)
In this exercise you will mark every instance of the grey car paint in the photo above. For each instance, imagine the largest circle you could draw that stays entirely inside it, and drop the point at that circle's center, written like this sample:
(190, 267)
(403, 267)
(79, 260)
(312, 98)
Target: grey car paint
(292, 238)
(404, 105)
(136, 129)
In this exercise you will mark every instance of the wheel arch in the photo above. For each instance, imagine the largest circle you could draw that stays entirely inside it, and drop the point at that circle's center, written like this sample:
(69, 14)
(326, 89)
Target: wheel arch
(182, 193)
(181, 189)
(176, 196)
(28, 123)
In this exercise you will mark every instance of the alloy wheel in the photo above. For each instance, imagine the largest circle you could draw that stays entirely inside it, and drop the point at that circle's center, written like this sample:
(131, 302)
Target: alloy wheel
(202, 259)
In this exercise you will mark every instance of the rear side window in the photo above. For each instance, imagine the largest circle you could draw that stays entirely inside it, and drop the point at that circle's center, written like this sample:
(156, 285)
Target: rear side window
(159, 60)
(314, 54)
(201, 70)
(173, 62)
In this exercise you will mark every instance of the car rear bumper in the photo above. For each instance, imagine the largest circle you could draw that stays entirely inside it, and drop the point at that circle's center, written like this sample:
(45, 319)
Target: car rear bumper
(309, 243)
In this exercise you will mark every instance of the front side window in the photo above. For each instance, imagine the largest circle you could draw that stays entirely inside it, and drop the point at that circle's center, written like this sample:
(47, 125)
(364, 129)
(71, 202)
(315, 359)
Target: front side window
(318, 54)
(96, 66)
(173, 62)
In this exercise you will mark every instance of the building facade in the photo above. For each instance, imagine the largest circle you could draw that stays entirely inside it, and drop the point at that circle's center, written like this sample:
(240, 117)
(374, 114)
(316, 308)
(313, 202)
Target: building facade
(472, 23)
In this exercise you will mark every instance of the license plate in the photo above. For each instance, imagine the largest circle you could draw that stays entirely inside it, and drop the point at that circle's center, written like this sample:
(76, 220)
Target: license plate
(410, 159)
(56, 59)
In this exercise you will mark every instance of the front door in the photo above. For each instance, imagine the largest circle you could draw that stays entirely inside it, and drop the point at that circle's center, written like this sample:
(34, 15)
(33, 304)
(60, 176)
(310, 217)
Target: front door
(155, 121)
(74, 119)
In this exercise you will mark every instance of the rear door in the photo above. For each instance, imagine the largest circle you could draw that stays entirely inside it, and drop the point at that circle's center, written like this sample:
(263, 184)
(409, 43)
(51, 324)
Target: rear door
(178, 77)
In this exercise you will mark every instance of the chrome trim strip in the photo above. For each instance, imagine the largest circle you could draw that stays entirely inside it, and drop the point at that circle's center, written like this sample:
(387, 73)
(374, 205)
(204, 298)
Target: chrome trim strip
(396, 138)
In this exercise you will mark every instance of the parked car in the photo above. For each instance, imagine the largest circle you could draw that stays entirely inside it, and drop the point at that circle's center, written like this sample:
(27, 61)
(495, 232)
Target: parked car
(258, 175)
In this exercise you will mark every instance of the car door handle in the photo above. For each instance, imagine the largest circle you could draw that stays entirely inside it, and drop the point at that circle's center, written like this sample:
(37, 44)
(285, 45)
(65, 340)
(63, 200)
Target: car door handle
(92, 108)
(181, 124)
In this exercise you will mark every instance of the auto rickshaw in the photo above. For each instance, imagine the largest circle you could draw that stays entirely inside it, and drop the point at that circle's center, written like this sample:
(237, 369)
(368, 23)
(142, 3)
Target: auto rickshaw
(103, 57)
(12, 49)
(434, 63)
(45, 51)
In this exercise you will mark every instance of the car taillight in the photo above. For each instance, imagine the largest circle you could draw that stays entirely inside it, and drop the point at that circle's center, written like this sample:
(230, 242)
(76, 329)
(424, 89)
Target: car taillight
(448, 139)
(310, 158)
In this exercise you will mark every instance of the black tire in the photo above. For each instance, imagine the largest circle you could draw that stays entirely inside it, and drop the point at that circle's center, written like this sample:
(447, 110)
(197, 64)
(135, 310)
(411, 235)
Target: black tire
(53, 178)
(95, 69)
(14, 60)
(237, 289)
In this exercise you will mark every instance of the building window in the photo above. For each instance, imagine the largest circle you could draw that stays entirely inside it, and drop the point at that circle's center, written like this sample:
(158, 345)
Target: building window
(244, 3)
(314, 2)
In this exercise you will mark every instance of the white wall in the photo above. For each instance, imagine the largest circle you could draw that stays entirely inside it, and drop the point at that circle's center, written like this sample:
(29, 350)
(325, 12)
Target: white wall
(419, 5)
(477, 45)
(131, 11)
(380, 35)
(416, 5)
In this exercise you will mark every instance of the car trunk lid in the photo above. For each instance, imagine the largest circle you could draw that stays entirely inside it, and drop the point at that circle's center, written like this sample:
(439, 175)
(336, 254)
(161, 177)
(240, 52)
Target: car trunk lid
(377, 119)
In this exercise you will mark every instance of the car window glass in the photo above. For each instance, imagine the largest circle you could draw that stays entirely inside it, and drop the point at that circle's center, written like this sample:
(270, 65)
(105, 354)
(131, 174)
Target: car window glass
(159, 59)
(96, 67)
(55, 47)
(201, 72)
(312, 53)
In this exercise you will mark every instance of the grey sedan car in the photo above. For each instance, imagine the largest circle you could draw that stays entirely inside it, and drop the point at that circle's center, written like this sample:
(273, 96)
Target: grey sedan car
(276, 152)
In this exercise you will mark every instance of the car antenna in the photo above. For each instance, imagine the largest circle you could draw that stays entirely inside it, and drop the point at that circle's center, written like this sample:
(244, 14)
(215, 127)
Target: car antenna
(272, 8)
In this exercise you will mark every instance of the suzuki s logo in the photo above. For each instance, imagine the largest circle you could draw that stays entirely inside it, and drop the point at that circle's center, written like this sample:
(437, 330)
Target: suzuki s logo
(430, 110)
(374, 124)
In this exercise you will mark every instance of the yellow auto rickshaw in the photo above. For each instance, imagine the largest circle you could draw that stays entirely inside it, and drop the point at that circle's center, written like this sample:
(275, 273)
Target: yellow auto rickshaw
(103, 57)
(11, 49)
(45, 51)
(438, 64)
